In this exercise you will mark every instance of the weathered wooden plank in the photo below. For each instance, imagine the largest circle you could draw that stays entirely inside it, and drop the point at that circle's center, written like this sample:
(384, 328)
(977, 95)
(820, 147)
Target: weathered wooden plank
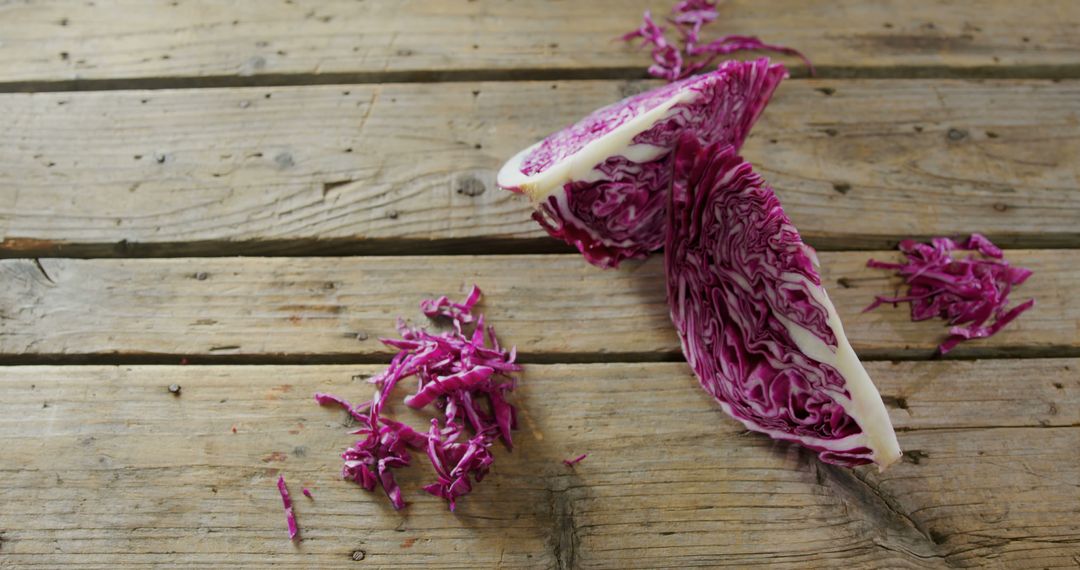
(553, 307)
(103, 467)
(410, 168)
(56, 44)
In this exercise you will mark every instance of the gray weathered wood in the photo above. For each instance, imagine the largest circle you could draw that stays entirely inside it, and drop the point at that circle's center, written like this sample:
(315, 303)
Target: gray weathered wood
(411, 168)
(108, 43)
(553, 307)
(103, 467)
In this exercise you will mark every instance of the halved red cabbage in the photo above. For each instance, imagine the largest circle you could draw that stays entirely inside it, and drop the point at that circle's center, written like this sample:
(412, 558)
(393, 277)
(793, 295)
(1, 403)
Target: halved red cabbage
(755, 322)
(967, 291)
(599, 184)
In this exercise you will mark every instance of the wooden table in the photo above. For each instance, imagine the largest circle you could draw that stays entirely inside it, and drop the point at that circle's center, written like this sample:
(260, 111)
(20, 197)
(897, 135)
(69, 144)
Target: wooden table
(257, 188)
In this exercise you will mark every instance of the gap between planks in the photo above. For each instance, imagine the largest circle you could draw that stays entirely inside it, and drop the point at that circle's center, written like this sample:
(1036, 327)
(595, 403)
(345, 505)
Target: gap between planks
(970, 354)
(553, 308)
(63, 43)
(21, 248)
(1053, 72)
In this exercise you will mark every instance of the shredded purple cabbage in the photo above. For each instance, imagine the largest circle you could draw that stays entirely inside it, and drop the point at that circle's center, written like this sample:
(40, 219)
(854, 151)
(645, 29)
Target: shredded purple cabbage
(443, 307)
(575, 461)
(673, 62)
(290, 518)
(968, 292)
(307, 492)
(466, 375)
(455, 461)
(355, 411)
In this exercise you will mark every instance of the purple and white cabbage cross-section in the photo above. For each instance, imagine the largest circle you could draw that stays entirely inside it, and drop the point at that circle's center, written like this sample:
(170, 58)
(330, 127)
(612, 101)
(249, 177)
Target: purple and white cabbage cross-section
(755, 322)
(600, 184)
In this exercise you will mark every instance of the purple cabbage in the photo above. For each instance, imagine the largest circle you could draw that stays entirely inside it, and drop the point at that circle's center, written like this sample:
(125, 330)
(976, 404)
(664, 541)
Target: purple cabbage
(445, 308)
(286, 500)
(575, 461)
(464, 374)
(755, 323)
(599, 184)
(674, 62)
(454, 462)
(965, 291)
(357, 412)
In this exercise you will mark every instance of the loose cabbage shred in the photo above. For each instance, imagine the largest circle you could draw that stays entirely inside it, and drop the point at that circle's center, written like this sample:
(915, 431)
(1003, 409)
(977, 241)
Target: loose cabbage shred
(290, 518)
(575, 461)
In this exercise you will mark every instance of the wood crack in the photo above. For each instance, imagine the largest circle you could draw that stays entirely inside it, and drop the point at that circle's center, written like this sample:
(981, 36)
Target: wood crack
(41, 268)
(891, 504)
(893, 525)
(564, 539)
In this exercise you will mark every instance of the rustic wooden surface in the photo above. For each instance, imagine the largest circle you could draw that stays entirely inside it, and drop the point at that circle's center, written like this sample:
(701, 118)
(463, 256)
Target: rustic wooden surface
(176, 134)
(553, 307)
(332, 169)
(127, 473)
(131, 43)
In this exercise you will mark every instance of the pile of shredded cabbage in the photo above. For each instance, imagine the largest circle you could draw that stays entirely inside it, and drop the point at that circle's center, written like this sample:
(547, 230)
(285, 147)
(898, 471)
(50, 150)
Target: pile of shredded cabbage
(466, 375)
(970, 292)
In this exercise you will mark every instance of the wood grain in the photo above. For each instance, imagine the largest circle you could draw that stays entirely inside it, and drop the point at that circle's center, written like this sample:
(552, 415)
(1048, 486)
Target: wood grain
(555, 308)
(52, 44)
(405, 169)
(103, 467)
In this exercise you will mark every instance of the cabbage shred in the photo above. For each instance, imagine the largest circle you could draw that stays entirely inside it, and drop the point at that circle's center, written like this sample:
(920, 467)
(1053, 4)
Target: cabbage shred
(290, 517)
(575, 461)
